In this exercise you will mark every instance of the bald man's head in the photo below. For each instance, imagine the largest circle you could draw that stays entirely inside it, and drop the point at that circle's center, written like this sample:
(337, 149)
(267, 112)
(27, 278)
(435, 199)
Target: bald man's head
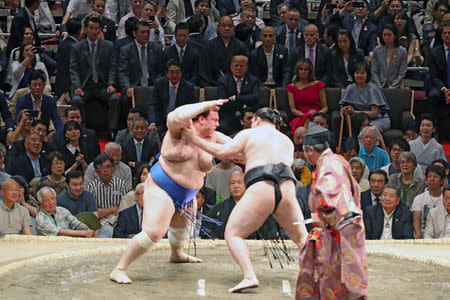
(311, 35)
(236, 185)
(268, 36)
(226, 27)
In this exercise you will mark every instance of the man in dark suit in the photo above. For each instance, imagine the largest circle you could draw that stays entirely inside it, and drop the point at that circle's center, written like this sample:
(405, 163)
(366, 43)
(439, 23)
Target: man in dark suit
(377, 179)
(364, 32)
(241, 89)
(139, 149)
(291, 34)
(270, 62)
(93, 73)
(184, 53)
(314, 51)
(169, 92)
(36, 100)
(30, 164)
(88, 136)
(23, 18)
(130, 27)
(388, 219)
(228, 7)
(299, 5)
(439, 88)
(63, 83)
(129, 221)
(302, 196)
(138, 67)
(220, 51)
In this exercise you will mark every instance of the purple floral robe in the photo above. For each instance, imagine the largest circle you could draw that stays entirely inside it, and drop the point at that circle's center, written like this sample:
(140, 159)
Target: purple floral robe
(333, 260)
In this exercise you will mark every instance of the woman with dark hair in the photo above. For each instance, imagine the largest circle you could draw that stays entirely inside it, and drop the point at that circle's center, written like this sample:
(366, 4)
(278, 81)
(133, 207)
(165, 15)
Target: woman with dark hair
(25, 198)
(306, 95)
(365, 97)
(389, 61)
(425, 147)
(407, 39)
(343, 59)
(75, 152)
(56, 179)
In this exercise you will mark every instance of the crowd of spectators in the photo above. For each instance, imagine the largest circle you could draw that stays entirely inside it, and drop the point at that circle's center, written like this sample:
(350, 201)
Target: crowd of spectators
(54, 180)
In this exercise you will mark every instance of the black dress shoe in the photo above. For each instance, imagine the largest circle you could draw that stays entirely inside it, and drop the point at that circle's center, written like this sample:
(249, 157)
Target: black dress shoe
(111, 135)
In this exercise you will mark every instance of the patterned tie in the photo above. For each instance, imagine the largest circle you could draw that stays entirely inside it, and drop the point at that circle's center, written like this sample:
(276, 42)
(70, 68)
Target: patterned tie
(138, 152)
(448, 68)
(94, 74)
(238, 86)
(377, 200)
(172, 99)
(144, 78)
(311, 56)
(292, 40)
(181, 55)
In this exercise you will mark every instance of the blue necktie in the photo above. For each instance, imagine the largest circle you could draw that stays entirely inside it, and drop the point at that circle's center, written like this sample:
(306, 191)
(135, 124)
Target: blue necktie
(292, 41)
(181, 55)
(138, 152)
(448, 68)
(172, 99)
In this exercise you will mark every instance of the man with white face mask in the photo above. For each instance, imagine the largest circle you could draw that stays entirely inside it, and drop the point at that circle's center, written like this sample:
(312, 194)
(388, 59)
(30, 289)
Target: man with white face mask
(301, 170)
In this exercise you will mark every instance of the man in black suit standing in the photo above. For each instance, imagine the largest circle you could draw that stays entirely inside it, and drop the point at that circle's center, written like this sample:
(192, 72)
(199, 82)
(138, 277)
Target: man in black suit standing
(270, 62)
(388, 219)
(184, 53)
(318, 55)
(139, 149)
(23, 18)
(63, 83)
(129, 221)
(377, 179)
(139, 63)
(169, 92)
(439, 90)
(130, 27)
(30, 164)
(299, 5)
(241, 89)
(291, 34)
(93, 73)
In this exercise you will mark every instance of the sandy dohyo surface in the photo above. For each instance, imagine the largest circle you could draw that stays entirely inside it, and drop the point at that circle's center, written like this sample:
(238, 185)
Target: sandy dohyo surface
(86, 277)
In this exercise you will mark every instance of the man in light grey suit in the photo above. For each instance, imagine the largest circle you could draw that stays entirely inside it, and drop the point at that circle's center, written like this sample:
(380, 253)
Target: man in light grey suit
(438, 224)
(93, 73)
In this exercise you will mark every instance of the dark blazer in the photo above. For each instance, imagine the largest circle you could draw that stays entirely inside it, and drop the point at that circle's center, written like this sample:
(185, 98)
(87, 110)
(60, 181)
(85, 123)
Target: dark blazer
(281, 32)
(438, 69)
(157, 105)
(338, 73)
(48, 109)
(118, 44)
(190, 64)
(21, 165)
(127, 223)
(226, 87)
(69, 158)
(226, 7)
(107, 26)
(302, 196)
(367, 40)
(63, 83)
(200, 44)
(18, 149)
(280, 65)
(300, 5)
(130, 71)
(88, 139)
(219, 58)
(366, 200)
(149, 150)
(80, 69)
(5, 113)
(402, 227)
(20, 21)
(322, 64)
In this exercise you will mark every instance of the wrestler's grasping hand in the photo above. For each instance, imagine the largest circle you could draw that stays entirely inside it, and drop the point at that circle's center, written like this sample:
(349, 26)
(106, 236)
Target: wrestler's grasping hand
(189, 133)
(216, 104)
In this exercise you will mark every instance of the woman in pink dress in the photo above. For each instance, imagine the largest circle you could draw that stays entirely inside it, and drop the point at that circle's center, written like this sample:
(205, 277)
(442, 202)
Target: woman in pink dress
(306, 95)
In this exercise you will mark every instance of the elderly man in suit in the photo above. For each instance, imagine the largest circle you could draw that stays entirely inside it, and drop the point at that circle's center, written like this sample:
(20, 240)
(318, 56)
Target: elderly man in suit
(291, 33)
(184, 53)
(270, 62)
(318, 54)
(23, 18)
(169, 92)
(129, 221)
(437, 225)
(388, 219)
(93, 73)
(241, 89)
(139, 149)
(377, 179)
(36, 100)
(439, 90)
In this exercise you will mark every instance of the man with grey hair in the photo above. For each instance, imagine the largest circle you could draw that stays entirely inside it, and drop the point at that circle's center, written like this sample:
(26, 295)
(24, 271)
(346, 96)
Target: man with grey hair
(121, 170)
(129, 221)
(373, 156)
(338, 229)
(55, 220)
(14, 218)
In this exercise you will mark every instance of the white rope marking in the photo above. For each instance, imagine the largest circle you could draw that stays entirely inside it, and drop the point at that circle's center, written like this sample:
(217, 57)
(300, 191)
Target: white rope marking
(286, 288)
(201, 287)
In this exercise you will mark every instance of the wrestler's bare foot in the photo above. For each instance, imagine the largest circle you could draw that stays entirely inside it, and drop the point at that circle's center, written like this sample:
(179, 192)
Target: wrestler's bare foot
(184, 258)
(119, 276)
(244, 284)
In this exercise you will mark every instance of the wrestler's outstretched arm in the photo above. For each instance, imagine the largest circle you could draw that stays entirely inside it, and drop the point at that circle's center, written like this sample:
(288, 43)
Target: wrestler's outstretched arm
(183, 115)
(232, 149)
